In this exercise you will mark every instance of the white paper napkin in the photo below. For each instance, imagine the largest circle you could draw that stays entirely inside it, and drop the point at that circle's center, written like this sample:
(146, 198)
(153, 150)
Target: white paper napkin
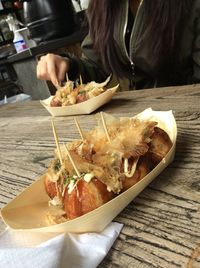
(50, 250)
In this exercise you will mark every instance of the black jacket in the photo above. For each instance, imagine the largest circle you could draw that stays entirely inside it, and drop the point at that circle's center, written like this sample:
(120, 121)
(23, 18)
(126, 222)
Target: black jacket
(146, 75)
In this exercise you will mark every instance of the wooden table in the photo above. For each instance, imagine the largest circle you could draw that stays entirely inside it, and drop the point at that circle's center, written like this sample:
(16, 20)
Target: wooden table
(161, 226)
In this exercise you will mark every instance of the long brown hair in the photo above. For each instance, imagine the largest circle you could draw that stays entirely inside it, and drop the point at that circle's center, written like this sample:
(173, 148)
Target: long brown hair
(163, 22)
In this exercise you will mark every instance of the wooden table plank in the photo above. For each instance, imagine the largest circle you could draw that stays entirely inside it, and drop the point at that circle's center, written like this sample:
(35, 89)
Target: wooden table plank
(161, 226)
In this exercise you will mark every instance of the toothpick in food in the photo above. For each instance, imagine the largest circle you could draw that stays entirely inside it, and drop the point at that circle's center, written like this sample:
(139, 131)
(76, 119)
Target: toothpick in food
(81, 80)
(57, 142)
(72, 161)
(79, 128)
(105, 127)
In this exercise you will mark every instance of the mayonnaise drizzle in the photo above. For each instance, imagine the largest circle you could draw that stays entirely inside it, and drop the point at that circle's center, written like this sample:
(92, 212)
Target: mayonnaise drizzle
(87, 177)
(71, 186)
(55, 201)
(133, 168)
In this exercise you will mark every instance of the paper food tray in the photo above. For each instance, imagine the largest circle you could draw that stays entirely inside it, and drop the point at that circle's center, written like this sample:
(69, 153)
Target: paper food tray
(28, 210)
(85, 107)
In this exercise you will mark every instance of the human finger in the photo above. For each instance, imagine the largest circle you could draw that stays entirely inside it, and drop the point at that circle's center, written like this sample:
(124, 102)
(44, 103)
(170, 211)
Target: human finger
(52, 72)
(41, 70)
(62, 69)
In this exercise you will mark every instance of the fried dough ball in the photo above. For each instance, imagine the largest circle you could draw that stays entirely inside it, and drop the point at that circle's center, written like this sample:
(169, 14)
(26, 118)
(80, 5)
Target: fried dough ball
(55, 102)
(141, 171)
(81, 98)
(159, 145)
(85, 197)
(50, 187)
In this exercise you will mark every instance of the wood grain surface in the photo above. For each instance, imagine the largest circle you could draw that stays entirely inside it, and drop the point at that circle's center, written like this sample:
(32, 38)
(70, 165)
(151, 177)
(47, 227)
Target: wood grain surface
(162, 225)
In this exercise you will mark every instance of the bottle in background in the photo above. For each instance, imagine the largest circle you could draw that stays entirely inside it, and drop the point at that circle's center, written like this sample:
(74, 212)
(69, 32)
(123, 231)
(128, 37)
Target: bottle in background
(18, 41)
(5, 29)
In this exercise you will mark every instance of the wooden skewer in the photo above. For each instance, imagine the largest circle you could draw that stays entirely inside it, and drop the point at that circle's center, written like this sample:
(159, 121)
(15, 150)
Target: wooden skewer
(72, 161)
(81, 81)
(59, 155)
(67, 77)
(57, 143)
(105, 127)
(79, 129)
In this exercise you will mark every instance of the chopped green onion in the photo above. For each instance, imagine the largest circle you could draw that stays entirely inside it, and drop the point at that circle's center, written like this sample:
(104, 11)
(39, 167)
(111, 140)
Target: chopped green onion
(57, 165)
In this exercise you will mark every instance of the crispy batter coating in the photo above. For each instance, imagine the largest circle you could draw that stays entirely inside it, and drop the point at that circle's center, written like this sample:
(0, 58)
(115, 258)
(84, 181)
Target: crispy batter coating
(55, 102)
(159, 146)
(85, 197)
(142, 169)
(50, 187)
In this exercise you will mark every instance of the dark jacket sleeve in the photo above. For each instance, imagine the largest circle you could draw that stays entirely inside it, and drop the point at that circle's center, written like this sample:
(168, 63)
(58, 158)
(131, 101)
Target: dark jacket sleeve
(89, 65)
(196, 43)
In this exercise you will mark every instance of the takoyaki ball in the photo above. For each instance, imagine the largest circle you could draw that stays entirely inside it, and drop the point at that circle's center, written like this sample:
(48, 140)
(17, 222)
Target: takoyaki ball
(159, 145)
(85, 197)
(50, 187)
(141, 171)
(55, 102)
(81, 97)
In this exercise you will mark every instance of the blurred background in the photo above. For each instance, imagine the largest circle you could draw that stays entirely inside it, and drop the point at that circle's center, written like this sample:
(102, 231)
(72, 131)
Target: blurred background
(29, 28)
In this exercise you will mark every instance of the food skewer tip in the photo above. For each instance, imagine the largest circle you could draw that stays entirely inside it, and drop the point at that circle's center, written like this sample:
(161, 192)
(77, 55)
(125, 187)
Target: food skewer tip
(72, 161)
(105, 127)
(57, 142)
(79, 128)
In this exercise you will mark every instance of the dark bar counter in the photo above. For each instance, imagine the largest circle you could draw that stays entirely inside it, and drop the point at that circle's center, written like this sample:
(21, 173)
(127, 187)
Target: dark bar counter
(48, 46)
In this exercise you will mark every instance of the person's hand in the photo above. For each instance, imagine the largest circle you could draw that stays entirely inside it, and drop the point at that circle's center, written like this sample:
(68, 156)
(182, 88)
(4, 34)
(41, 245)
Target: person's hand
(52, 67)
